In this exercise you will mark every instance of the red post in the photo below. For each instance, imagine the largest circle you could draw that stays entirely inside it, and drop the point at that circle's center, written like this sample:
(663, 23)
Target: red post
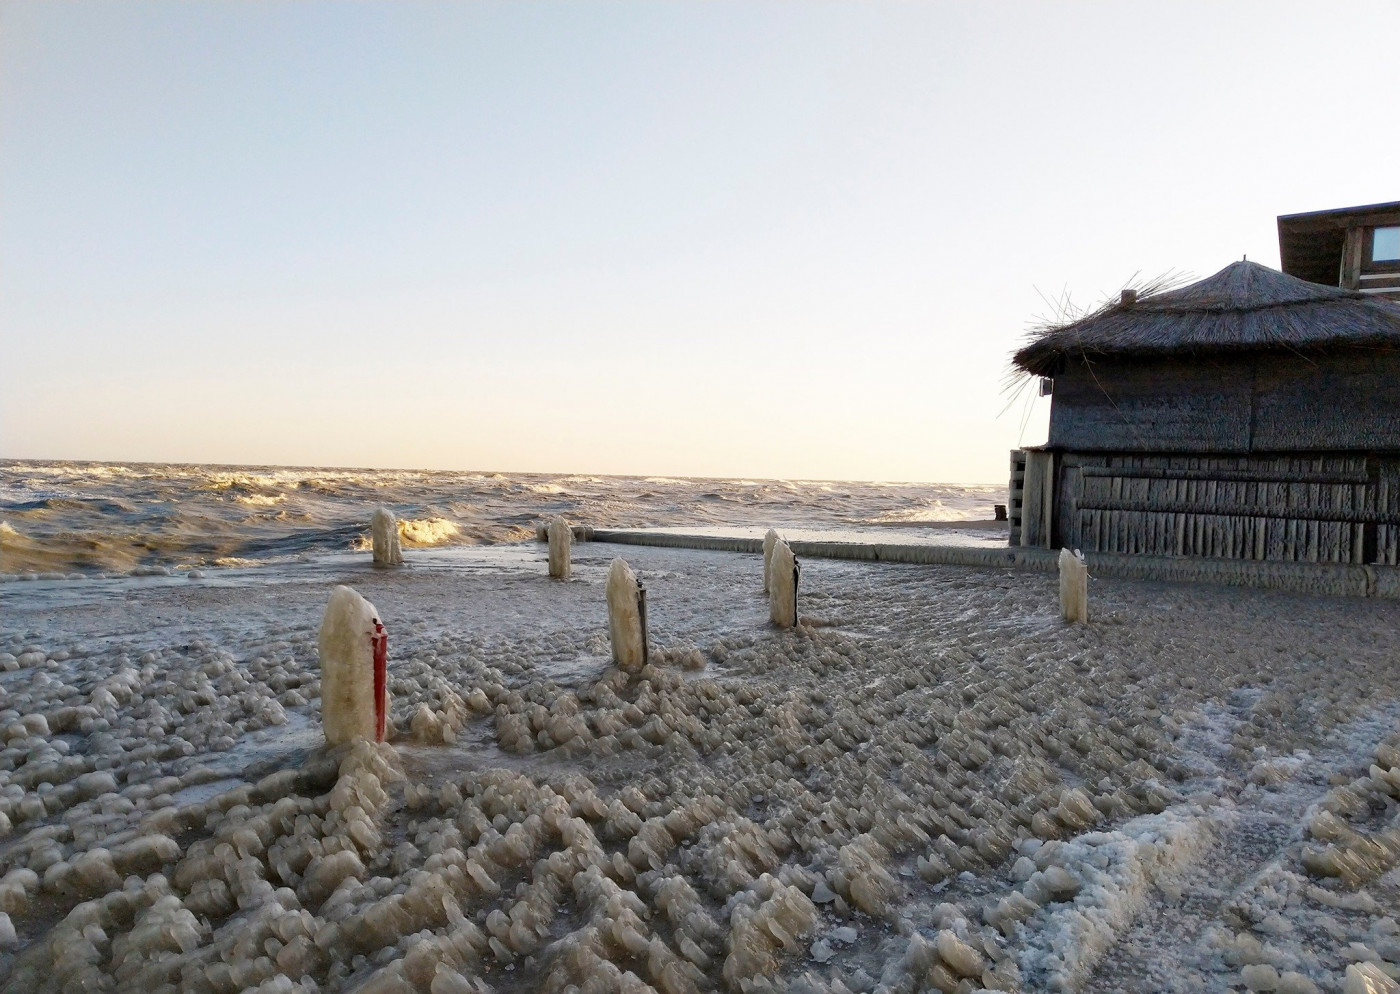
(380, 641)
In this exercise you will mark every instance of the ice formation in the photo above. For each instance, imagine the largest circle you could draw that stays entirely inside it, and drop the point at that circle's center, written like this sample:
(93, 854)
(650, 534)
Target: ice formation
(1361, 978)
(1074, 587)
(626, 617)
(560, 539)
(769, 540)
(782, 585)
(918, 799)
(353, 650)
(384, 530)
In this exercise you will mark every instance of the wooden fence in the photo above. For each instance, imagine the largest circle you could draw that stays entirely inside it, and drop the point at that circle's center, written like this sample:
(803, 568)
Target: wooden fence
(1327, 508)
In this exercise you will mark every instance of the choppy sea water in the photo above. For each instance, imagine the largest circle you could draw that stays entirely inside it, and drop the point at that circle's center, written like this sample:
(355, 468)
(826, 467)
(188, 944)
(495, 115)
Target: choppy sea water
(115, 517)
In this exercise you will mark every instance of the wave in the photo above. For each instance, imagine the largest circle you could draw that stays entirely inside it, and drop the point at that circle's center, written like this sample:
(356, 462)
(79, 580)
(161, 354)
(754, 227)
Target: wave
(913, 515)
(428, 531)
(63, 552)
(42, 504)
(260, 500)
(64, 517)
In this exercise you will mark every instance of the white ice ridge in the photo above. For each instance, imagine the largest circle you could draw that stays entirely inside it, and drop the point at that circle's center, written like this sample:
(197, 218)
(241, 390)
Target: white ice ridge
(385, 531)
(1074, 587)
(625, 617)
(782, 585)
(1092, 887)
(769, 541)
(560, 539)
(347, 668)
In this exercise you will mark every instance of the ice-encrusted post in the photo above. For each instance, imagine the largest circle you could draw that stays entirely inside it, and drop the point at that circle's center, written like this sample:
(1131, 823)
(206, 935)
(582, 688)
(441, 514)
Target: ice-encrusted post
(768, 542)
(783, 573)
(384, 532)
(560, 539)
(627, 617)
(1074, 587)
(354, 650)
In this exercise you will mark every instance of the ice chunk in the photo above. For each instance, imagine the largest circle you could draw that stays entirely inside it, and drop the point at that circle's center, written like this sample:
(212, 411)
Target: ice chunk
(1290, 982)
(1260, 977)
(326, 873)
(961, 958)
(769, 540)
(1367, 978)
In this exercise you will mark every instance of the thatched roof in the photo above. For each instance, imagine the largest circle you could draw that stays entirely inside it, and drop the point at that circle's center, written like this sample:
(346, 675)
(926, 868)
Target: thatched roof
(1245, 306)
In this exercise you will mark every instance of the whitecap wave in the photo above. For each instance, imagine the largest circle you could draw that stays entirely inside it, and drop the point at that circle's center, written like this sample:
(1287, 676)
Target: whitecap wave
(429, 531)
(260, 500)
(928, 512)
(84, 516)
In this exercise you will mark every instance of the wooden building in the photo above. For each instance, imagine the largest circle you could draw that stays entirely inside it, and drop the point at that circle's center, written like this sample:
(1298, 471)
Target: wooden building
(1357, 248)
(1252, 415)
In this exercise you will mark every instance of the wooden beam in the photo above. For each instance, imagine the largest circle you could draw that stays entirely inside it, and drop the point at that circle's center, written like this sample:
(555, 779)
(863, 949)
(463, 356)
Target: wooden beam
(1350, 275)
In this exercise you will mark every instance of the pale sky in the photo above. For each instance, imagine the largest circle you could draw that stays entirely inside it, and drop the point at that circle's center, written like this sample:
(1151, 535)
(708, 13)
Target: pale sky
(707, 239)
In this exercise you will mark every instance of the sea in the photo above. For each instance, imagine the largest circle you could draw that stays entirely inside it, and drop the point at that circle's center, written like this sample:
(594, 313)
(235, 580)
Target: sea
(89, 518)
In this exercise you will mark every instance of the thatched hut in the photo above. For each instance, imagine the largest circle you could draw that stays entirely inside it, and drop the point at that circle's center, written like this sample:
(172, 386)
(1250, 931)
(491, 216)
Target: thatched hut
(1251, 415)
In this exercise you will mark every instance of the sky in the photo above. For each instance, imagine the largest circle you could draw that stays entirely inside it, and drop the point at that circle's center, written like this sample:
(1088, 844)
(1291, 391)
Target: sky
(794, 240)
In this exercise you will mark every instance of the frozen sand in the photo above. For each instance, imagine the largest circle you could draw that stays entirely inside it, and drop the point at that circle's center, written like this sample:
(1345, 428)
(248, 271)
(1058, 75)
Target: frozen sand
(938, 783)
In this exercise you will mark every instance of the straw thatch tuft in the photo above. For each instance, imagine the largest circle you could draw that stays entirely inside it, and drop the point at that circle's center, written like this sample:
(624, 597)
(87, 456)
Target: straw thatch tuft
(1244, 306)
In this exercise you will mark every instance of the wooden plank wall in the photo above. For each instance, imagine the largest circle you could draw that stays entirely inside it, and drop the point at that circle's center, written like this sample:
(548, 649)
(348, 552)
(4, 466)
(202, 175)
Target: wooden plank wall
(1331, 508)
(1167, 405)
(1345, 399)
(1039, 499)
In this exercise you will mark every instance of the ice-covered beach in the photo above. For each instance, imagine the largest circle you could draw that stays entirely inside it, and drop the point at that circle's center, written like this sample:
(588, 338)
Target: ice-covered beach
(931, 784)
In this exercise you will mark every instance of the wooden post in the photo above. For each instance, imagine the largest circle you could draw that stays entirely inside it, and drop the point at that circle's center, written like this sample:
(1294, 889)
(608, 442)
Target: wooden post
(353, 650)
(782, 586)
(560, 547)
(1350, 275)
(1074, 588)
(1038, 505)
(384, 538)
(626, 617)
